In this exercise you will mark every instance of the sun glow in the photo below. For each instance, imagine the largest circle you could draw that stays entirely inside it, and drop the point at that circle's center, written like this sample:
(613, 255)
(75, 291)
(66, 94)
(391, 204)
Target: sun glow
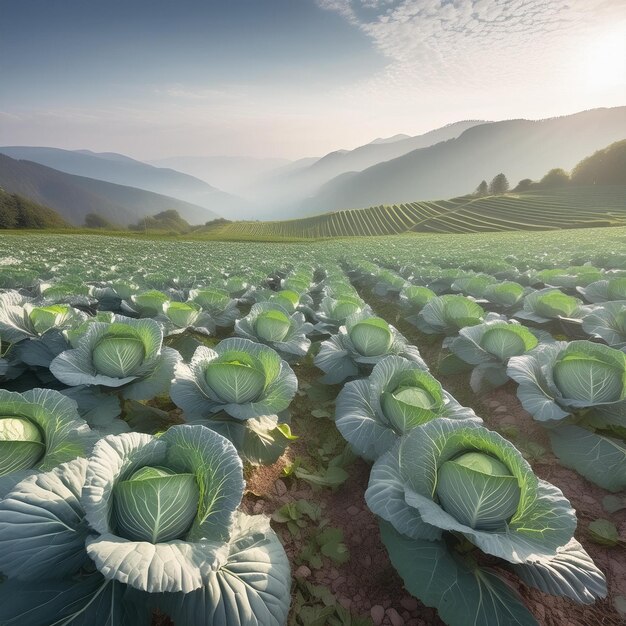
(604, 62)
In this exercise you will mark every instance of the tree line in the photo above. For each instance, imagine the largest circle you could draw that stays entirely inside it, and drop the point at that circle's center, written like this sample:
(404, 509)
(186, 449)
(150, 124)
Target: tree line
(604, 167)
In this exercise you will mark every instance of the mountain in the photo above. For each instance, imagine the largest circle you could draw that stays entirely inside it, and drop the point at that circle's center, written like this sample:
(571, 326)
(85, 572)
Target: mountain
(519, 148)
(74, 197)
(282, 191)
(19, 212)
(122, 170)
(393, 139)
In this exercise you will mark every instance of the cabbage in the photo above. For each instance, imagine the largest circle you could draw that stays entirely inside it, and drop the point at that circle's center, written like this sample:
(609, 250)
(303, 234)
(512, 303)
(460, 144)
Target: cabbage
(451, 487)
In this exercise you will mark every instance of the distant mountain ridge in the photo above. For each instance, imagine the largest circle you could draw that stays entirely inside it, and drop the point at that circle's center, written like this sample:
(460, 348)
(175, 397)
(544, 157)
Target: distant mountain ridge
(74, 197)
(519, 148)
(122, 170)
(287, 189)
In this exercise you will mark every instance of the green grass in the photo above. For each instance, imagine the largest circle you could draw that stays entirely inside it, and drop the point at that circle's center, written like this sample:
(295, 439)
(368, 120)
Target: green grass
(554, 209)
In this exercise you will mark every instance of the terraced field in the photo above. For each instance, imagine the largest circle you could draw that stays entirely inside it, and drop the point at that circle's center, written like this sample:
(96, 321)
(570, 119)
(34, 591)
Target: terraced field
(575, 207)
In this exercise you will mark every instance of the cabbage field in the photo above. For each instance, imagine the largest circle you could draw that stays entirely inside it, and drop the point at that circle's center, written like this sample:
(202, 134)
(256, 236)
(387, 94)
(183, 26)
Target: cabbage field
(416, 429)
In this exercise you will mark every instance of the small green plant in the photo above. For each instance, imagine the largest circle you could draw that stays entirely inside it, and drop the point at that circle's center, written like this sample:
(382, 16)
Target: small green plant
(295, 514)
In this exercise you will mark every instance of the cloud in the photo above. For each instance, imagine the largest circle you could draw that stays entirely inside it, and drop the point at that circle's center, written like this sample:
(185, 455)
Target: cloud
(449, 45)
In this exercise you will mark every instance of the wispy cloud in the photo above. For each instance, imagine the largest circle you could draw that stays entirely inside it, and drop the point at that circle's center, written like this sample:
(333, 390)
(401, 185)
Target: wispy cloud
(447, 44)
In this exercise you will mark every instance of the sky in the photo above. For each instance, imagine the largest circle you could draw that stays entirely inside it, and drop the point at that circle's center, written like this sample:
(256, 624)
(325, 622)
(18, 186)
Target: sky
(294, 78)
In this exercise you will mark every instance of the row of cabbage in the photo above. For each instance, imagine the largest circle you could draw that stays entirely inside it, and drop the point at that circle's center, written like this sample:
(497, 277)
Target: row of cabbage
(109, 509)
(456, 501)
(574, 387)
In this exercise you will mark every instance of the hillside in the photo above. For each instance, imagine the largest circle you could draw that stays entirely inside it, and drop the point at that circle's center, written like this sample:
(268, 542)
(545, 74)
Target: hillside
(122, 170)
(571, 207)
(19, 212)
(74, 197)
(519, 148)
(284, 189)
(604, 167)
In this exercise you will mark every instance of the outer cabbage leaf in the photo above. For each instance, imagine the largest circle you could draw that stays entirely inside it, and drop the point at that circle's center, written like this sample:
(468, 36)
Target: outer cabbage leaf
(250, 588)
(42, 525)
(599, 458)
(571, 573)
(86, 601)
(461, 593)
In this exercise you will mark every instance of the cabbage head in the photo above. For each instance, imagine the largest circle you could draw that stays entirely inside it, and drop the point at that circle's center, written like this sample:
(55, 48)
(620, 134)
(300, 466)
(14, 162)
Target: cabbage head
(274, 326)
(39, 429)
(127, 354)
(144, 523)
(451, 489)
(488, 347)
(506, 294)
(334, 311)
(219, 304)
(446, 315)
(604, 290)
(578, 389)
(239, 376)
(399, 395)
(549, 304)
(22, 319)
(359, 345)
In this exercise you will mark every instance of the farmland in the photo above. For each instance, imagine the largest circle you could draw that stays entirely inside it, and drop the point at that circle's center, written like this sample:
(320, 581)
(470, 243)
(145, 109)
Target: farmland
(291, 403)
(548, 209)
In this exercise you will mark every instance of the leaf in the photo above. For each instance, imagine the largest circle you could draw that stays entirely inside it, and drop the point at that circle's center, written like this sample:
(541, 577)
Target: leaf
(332, 546)
(42, 525)
(600, 459)
(88, 601)
(332, 476)
(250, 587)
(462, 594)
(613, 504)
(570, 573)
(604, 532)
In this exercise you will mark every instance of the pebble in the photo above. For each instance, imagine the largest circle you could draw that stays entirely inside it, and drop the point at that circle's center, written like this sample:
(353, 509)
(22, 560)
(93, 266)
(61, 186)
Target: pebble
(346, 603)
(501, 410)
(378, 614)
(302, 572)
(409, 603)
(280, 487)
(258, 507)
(395, 618)
(493, 404)
(353, 510)
(333, 574)
(367, 560)
(337, 583)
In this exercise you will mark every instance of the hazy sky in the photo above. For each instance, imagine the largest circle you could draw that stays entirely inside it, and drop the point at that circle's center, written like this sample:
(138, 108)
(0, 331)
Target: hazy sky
(294, 78)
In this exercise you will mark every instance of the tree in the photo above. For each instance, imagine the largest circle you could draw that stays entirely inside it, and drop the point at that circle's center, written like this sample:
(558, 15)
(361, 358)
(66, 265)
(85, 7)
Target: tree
(556, 177)
(524, 185)
(499, 185)
(93, 220)
(482, 189)
(604, 167)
